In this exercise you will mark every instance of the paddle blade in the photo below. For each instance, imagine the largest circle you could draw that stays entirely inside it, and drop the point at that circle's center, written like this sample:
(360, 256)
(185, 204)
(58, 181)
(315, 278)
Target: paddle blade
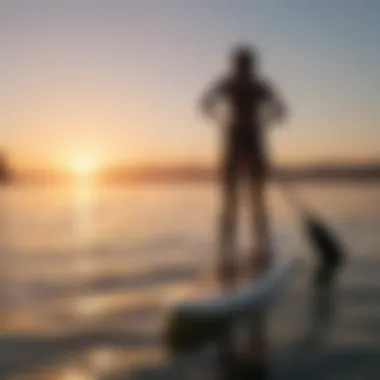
(324, 242)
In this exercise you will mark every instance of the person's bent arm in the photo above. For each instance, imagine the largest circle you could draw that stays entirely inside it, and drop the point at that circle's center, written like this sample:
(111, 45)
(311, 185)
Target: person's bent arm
(210, 99)
(277, 108)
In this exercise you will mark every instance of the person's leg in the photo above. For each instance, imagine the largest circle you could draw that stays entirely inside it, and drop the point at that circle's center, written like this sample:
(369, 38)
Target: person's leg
(227, 265)
(227, 238)
(258, 166)
(261, 256)
(260, 261)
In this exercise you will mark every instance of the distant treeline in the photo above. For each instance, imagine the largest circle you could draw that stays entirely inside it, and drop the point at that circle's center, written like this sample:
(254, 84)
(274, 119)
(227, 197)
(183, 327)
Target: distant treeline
(190, 173)
(358, 172)
(199, 173)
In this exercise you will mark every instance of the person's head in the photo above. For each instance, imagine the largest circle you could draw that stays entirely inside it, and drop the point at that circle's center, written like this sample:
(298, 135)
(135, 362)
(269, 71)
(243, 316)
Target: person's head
(244, 60)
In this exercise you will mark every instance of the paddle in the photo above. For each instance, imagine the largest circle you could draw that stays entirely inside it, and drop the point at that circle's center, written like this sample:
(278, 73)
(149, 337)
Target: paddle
(193, 324)
(320, 235)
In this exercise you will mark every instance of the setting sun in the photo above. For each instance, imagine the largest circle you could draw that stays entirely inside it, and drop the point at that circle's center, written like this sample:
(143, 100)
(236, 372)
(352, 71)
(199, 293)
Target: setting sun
(85, 166)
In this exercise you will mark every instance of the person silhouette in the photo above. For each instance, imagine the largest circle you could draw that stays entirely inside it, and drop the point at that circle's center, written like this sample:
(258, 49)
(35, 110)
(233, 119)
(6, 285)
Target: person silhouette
(252, 104)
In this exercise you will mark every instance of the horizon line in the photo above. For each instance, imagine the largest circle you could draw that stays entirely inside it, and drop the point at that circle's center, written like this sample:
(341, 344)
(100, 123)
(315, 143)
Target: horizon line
(196, 164)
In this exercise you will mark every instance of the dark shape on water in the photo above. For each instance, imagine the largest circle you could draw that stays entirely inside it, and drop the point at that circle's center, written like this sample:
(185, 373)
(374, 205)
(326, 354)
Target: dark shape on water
(5, 170)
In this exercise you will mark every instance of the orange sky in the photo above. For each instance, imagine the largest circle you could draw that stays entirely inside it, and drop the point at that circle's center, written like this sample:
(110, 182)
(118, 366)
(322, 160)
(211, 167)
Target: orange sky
(119, 82)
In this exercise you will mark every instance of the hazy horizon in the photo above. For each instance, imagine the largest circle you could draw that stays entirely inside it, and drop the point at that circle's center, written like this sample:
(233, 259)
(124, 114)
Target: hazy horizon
(192, 172)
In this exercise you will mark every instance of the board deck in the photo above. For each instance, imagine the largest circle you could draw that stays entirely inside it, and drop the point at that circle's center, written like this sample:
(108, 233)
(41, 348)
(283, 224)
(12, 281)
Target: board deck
(193, 323)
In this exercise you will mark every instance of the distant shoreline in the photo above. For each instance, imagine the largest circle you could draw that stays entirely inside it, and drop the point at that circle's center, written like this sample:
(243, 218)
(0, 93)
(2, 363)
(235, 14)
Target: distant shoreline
(197, 174)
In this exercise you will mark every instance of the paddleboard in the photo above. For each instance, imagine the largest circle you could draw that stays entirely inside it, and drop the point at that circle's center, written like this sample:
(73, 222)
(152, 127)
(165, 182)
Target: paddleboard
(193, 324)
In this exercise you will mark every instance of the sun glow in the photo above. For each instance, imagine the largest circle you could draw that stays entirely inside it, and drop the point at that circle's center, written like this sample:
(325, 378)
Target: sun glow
(85, 166)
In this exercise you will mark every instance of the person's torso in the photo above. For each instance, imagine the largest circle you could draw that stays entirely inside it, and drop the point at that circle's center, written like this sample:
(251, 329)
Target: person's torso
(244, 98)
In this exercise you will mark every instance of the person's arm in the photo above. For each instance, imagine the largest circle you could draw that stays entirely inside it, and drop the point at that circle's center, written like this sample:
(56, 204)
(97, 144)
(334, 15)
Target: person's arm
(277, 108)
(211, 97)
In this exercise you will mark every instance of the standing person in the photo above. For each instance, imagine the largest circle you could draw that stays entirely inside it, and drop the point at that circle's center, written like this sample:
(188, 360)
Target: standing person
(252, 103)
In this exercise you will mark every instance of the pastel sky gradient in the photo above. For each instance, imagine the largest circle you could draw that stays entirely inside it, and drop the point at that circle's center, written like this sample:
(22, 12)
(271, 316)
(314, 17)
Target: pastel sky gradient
(120, 79)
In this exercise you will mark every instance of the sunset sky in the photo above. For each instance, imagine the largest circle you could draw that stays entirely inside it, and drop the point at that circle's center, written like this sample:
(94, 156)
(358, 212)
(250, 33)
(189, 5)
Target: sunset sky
(90, 82)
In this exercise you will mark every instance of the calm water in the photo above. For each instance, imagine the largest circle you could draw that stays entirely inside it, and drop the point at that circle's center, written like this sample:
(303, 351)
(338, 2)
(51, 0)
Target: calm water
(84, 259)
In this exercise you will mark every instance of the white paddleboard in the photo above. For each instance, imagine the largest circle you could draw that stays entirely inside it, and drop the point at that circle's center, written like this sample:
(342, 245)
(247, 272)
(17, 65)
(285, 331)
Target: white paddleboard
(257, 294)
(193, 323)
